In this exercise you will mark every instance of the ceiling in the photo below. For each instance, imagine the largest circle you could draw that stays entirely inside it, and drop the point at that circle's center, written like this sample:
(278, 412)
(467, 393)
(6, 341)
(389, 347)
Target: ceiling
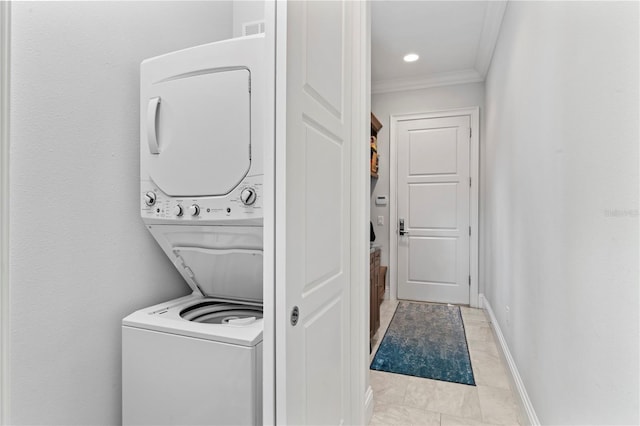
(455, 41)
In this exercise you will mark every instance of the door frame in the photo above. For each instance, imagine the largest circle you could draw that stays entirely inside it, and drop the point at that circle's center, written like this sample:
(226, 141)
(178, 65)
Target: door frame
(5, 32)
(474, 170)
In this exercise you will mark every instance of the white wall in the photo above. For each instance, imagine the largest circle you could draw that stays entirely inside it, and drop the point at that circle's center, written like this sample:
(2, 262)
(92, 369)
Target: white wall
(407, 102)
(561, 156)
(80, 257)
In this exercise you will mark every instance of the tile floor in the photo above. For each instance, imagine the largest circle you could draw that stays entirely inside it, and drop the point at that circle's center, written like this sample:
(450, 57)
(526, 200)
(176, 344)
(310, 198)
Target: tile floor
(405, 400)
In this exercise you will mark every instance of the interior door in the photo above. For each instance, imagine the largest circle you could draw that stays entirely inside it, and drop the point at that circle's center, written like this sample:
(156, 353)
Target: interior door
(433, 209)
(313, 212)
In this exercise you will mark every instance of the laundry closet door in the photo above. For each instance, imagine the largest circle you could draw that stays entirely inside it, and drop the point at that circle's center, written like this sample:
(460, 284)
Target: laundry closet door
(313, 180)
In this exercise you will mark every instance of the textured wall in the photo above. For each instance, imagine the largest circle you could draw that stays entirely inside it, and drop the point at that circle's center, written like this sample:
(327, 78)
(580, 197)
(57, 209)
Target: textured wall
(80, 257)
(560, 205)
(407, 102)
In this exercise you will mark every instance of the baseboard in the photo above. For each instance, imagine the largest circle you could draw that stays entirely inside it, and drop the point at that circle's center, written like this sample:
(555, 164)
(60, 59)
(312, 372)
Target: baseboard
(528, 413)
(368, 405)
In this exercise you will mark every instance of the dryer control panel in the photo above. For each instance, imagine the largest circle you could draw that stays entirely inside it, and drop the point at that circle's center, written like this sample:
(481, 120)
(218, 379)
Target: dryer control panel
(244, 202)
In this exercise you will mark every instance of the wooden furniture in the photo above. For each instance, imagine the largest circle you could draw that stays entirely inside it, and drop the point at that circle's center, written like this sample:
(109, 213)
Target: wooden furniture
(374, 291)
(375, 125)
(377, 280)
(375, 128)
(382, 278)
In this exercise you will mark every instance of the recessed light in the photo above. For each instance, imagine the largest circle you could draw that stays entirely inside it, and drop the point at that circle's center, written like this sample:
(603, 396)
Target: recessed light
(411, 57)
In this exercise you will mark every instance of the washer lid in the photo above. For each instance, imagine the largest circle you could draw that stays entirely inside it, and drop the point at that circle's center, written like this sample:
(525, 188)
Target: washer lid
(216, 261)
(197, 128)
(226, 273)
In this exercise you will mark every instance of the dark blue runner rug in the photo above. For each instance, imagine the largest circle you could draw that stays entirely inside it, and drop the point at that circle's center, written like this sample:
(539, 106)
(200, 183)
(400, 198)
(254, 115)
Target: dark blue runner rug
(425, 340)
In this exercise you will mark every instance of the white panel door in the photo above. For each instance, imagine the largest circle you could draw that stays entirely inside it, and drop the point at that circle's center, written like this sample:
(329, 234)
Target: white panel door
(313, 212)
(434, 209)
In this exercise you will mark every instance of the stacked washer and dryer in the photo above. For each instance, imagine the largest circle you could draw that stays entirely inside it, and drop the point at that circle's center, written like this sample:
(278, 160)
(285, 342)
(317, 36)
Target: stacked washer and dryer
(198, 359)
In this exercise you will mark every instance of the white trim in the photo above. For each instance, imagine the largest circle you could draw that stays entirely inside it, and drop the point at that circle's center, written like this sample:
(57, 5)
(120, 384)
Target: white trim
(489, 36)
(368, 405)
(280, 210)
(474, 170)
(5, 69)
(393, 212)
(360, 181)
(474, 207)
(269, 301)
(434, 80)
(368, 396)
(526, 407)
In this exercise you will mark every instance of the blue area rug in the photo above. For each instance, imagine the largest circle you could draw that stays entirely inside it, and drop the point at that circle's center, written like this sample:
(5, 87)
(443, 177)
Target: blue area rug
(425, 340)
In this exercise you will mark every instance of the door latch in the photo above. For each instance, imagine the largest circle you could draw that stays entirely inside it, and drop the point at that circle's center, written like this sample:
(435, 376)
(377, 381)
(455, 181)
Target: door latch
(402, 231)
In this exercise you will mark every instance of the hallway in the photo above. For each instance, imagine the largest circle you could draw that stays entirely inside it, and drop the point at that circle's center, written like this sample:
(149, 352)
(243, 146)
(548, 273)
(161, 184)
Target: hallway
(405, 400)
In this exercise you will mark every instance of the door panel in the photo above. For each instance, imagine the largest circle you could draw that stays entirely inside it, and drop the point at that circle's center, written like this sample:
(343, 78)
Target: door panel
(323, 226)
(422, 198)
(432, 260)
(325, 368)
(433, 199)
(313, 214)
(433, 151)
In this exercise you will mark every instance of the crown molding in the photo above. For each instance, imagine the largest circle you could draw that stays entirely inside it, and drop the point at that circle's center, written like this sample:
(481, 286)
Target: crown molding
(489, 36)
(484, 53)
(434, 80)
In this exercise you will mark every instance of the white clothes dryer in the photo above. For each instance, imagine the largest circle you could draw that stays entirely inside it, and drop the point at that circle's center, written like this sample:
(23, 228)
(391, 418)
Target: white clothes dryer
(202, 134)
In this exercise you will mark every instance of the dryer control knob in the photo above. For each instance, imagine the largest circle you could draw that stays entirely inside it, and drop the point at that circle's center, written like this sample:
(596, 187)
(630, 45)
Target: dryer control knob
(248, 196)
(150, 198)
(194, 210)
(177, 210)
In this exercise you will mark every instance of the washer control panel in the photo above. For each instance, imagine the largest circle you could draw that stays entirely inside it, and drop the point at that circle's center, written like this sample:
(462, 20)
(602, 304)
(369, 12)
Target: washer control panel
(244, 202)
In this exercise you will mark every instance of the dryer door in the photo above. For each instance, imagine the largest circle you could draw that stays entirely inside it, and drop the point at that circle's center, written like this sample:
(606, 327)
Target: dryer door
(197, 129)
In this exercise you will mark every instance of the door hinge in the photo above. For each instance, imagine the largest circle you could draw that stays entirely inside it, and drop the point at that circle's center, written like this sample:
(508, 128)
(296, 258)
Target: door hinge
(470, 130)
(249, 85)
(469, 280)
(469, 231)
(469, 182)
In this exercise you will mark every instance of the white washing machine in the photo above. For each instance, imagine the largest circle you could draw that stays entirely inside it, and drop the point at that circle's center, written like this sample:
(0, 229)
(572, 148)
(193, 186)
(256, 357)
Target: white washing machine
(193, 361)
(198, 359)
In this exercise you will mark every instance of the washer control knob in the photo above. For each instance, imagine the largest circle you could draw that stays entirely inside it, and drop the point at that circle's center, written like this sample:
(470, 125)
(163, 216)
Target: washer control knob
(248, 196)
(150, 198)
(194, 210)
(177, 210)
